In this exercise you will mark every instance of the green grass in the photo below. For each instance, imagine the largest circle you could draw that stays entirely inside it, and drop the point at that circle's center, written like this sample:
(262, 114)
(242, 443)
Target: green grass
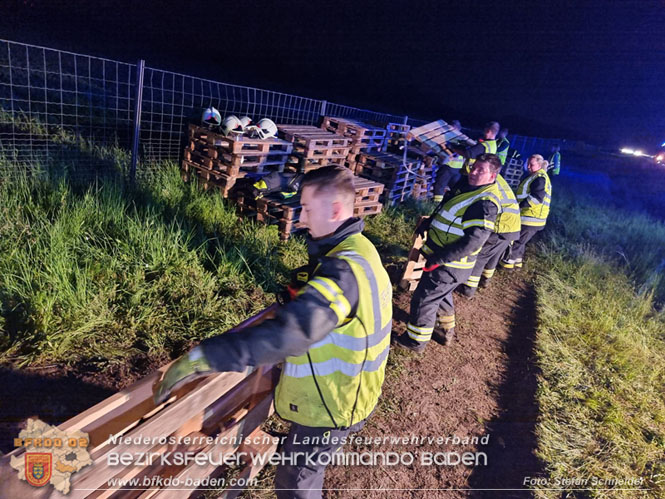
(102, 274)
(601, 346)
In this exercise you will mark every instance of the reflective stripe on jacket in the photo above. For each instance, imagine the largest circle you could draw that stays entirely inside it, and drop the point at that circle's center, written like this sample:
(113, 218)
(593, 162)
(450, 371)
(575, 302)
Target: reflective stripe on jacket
(502, 150)
(508, 221)
(455, 162)
(447, 224)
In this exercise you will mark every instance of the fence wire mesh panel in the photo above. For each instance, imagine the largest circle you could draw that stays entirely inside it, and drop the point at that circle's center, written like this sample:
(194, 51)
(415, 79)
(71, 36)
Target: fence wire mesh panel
(172, 100)
(533, 145)
(64, 111)
(75, 113)
(364, 115)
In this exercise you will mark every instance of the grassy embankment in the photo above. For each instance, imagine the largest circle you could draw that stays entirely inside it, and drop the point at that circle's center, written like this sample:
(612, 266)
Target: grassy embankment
(601, 345)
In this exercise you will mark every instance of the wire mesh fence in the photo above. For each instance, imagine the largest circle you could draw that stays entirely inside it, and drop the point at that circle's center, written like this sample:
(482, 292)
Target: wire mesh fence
(62, 108)
(171, 100)
(76, 112)
(533, 145)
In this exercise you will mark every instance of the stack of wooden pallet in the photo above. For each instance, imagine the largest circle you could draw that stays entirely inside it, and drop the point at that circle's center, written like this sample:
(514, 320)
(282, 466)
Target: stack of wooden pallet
(213, 416)
(365, 138)
(391, 170)
(285, 213)
(219, 161)
(314, 147)
(396, 137)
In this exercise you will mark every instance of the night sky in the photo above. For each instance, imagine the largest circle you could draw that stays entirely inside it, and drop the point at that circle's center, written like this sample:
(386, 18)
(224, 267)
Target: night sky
(589, 70)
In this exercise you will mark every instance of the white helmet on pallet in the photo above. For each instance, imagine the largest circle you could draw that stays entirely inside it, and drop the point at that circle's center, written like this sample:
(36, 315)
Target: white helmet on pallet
(231, 124)
(211, 117)
(266, 129)
(245, 121)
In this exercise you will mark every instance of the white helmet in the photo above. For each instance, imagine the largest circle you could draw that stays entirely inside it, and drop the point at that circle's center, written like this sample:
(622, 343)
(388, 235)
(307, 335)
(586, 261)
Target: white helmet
(245, 121)
(231, 124)
(211, 117)
(266, 129)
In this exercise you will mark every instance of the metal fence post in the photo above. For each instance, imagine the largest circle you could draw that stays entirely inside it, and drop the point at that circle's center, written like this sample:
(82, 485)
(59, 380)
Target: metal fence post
(140, 68)
(323, 107)
(406, 120)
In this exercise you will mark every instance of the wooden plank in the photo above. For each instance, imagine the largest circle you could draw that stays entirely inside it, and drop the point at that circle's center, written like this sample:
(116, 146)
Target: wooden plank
(247, 423)
(415, 263)
(435, 135)
(162, 424)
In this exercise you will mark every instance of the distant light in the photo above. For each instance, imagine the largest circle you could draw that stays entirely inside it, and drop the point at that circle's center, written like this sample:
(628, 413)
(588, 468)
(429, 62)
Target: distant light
(663, 144)
(625, 150)
(660, 157)
(638, 153)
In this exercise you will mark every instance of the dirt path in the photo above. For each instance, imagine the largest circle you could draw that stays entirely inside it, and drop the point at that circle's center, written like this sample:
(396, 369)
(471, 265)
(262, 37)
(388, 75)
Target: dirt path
(483, 385)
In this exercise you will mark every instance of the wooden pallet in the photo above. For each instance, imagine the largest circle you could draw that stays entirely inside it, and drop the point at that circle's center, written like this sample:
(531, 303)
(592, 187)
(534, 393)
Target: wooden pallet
(396, 137)
(304, 165)
(228, 406)
(436, 136)
(365, 187)
(415, 263)
(363, 210)
(210, 179)
(369, 145)
(352, 128)
(514, 171)
(387, 176)
(385, 160)
(285, 213)
(422, 190)
(239, 144)
(311, 137)
(232, 164)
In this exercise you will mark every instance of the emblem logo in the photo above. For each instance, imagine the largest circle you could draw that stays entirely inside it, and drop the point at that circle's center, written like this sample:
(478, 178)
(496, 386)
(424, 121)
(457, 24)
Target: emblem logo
(38, 466)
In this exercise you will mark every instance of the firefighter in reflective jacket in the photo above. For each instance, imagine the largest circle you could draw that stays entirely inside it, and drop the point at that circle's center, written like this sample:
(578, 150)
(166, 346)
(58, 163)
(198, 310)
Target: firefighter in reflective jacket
(333, 337)
(456, 232)
(555, 160)
(506, 231)
(533, 194)
(486, 145)
(502, 145)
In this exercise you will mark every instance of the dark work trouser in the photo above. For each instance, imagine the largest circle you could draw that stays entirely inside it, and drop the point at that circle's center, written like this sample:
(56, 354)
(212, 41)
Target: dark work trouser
(304, 480)
(517, 250)
(488, 259)
(434, 292)
(445, 177)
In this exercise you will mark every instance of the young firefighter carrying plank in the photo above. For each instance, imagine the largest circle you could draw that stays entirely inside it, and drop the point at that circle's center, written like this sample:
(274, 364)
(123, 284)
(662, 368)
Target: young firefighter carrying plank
(333, 336)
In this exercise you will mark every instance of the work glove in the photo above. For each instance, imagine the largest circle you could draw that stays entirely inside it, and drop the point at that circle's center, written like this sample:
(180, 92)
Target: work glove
(299, 278)
(423, 226)
(187, 368)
